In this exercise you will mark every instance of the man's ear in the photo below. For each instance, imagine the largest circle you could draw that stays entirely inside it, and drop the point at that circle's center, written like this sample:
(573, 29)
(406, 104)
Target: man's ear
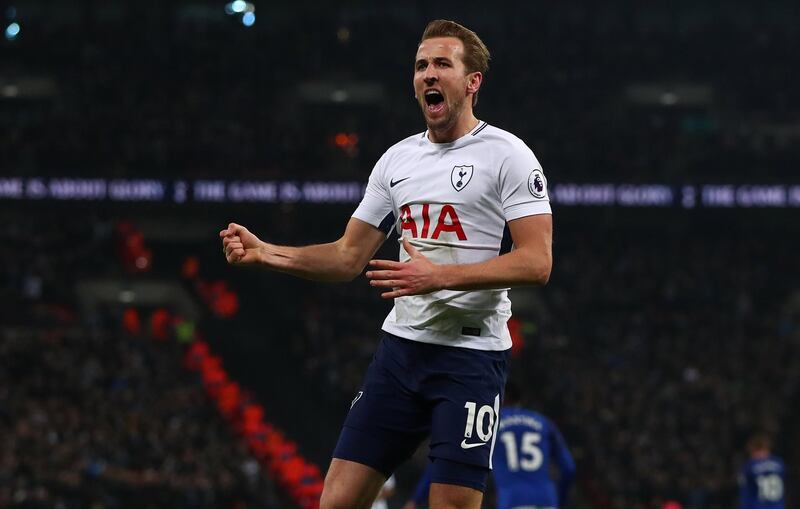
(474, 81)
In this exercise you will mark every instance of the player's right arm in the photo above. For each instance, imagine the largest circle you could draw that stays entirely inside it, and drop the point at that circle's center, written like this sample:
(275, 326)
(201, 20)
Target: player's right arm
(341, 260)
(744, 488)
(565, 462)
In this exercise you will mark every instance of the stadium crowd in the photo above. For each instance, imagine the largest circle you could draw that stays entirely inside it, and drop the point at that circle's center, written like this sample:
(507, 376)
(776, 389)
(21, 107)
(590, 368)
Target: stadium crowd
(109, 421)
(91, 416)
(663, 355)
(605, 92)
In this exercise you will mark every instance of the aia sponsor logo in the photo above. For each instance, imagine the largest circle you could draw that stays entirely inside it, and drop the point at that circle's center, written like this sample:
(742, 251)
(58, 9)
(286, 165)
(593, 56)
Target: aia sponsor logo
(416, 219)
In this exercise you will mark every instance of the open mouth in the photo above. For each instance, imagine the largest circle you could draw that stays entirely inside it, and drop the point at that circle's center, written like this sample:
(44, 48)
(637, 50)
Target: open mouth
(434, 100)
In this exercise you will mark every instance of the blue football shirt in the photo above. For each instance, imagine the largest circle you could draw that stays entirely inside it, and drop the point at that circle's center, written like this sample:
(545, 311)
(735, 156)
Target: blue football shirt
(528, 444)
(761, 484)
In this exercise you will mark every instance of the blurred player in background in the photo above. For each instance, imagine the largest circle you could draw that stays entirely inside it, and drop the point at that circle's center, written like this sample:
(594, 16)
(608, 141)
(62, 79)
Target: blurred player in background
(530, 446)
(761, 481)
(387, 491)
(460, 195)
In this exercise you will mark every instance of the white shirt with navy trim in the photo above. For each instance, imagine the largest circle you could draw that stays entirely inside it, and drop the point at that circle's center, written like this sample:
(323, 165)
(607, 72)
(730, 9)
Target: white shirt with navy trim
(453, 201)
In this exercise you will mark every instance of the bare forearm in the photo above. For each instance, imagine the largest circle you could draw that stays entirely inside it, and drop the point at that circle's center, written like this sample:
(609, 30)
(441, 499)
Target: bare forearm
(342, 260)
(320, 262)
(529, 264)
(522, 267)
(517, 268)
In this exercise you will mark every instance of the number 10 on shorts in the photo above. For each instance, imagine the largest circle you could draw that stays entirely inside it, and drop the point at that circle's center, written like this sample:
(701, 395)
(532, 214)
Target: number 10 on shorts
(478, 421)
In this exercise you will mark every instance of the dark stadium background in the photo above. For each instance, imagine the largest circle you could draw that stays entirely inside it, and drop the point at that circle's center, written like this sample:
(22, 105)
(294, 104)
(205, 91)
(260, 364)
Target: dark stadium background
(132, 132)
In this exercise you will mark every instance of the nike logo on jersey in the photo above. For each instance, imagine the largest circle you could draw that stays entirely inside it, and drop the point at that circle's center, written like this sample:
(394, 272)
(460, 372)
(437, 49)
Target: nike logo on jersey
(465, 445)
(393, 183)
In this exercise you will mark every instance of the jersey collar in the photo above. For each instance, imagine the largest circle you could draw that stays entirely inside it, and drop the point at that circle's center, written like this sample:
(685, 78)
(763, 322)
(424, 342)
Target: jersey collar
(450, 144)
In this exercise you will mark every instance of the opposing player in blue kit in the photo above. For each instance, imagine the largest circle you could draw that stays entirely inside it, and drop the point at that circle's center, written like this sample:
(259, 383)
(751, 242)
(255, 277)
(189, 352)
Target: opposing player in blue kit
(531, 444)
(761, 481)
(460, 195)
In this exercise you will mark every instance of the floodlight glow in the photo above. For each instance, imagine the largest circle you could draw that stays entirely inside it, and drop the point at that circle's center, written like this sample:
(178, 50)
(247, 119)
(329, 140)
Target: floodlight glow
(127, 296)
(248, 19)
(12, 31)
(238, 5)
(669, 98)
(229, 9)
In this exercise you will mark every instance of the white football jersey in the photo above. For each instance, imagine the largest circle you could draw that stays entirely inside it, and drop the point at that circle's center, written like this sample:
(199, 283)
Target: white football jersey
(453, 201)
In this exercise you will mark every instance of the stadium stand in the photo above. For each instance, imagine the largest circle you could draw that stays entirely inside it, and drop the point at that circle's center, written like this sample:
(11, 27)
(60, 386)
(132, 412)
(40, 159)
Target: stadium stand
(182, 89)
(95, 409)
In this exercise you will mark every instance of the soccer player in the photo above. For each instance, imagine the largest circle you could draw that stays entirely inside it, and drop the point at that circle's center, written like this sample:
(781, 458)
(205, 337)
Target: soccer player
(387, 491)
(459, 195)
(529, 445)
(761, 478)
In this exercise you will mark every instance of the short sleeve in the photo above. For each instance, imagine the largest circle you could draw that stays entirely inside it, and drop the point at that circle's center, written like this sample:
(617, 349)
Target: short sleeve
(523, 186)
(376, 206)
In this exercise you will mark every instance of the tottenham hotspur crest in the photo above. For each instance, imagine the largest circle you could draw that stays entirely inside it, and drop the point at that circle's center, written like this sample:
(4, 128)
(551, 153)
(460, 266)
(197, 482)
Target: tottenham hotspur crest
(460, 176)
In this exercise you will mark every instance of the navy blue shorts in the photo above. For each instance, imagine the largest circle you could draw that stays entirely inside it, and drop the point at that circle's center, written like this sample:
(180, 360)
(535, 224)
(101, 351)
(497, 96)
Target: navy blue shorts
(415, 389)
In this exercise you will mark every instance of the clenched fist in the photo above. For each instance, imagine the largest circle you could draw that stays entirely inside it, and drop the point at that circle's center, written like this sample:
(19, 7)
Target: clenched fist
(239, 245)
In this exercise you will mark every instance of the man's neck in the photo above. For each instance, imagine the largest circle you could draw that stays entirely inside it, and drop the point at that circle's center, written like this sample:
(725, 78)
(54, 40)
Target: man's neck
(462, 126)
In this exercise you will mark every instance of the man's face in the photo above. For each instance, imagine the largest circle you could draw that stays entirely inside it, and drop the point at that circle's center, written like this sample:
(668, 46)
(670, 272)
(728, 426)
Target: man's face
(441, 81)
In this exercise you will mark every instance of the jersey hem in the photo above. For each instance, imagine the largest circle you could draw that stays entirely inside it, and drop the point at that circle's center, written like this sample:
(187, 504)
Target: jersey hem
(489, 344)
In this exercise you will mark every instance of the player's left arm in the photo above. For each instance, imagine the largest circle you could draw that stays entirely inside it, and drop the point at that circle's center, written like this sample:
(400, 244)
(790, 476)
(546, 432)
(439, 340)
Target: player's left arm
(529, 263)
